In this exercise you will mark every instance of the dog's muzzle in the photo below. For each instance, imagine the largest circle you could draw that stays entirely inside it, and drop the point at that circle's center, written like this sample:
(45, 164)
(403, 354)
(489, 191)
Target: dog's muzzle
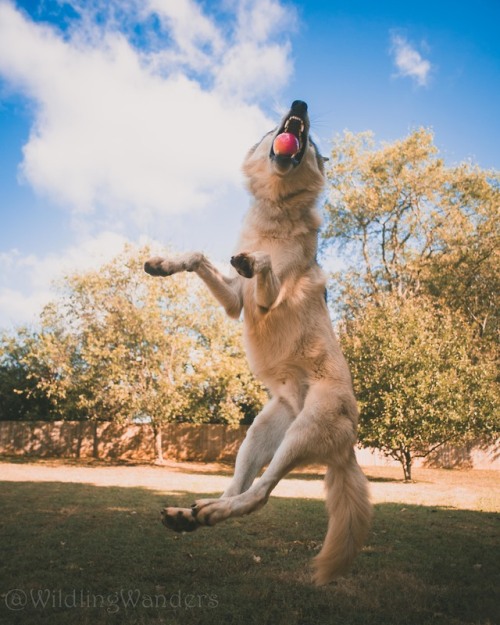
(296, 121)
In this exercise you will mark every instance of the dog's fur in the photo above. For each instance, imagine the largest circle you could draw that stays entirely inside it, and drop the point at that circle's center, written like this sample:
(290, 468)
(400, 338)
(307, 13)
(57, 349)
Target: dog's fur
(312, 415)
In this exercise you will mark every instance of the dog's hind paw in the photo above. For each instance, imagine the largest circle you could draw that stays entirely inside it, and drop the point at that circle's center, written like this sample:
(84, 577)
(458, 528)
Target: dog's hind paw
(179, 519)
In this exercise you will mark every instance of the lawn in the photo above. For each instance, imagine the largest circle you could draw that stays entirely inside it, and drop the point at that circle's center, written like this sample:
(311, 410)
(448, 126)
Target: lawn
(81, 553)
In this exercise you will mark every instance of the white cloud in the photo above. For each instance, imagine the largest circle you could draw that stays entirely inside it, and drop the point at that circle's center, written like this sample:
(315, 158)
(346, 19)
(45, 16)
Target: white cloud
(260, 20)
(255, 64)
(37, 275)
(17, 308)
(192, 32)
(409, 61)
(137, 133)
(247, 71)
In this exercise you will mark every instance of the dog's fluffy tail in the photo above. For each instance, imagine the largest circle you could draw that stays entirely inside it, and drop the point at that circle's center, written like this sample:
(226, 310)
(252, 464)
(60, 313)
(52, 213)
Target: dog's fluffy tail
(350, 513)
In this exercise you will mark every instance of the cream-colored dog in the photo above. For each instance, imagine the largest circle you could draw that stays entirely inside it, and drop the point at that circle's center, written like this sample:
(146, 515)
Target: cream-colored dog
(312, 414)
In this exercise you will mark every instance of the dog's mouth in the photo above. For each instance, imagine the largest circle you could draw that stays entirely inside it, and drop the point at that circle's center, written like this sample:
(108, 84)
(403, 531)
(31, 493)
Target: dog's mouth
(295, 123)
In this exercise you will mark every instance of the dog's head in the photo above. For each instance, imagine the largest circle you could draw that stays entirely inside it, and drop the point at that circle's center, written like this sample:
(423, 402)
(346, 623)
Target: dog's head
(273, 174)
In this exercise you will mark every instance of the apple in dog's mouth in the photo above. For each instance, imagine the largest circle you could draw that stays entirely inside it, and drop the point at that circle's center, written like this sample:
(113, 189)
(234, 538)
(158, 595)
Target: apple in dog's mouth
(290, 139)
(286, 144)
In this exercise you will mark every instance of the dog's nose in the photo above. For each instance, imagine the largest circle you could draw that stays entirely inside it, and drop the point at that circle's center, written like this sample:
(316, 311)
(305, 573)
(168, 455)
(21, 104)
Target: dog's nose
(299, 107)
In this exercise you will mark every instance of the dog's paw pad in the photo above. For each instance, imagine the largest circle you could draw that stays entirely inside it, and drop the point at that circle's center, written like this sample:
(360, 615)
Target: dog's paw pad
(179, 519)
(244, 265)
(155, 267)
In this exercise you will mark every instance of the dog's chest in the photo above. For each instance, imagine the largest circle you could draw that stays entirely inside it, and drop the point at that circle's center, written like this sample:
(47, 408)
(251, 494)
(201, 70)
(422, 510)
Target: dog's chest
(288, 254)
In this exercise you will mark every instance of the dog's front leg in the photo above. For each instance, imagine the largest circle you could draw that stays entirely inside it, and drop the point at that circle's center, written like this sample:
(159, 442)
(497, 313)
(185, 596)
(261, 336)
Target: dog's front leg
(267, 283)
(227, 291)
(159, 266)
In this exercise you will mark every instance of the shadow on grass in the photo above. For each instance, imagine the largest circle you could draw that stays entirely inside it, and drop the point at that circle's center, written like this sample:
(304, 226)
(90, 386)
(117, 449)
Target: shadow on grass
(86, 554)
(391, 480)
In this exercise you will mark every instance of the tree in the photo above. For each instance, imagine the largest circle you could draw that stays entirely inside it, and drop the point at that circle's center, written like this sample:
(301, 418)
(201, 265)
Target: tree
(398, 210)
(416, 381)
(464, 276)
(423, 243)
(119, 345)
(20, 397)
(221, 388)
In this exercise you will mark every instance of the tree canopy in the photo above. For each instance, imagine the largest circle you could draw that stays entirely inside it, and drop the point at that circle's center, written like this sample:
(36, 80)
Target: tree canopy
(120, 345)
(416, 379)
(418, 301)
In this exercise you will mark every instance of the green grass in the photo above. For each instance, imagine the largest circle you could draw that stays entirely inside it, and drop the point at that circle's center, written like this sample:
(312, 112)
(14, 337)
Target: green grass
(71, 546)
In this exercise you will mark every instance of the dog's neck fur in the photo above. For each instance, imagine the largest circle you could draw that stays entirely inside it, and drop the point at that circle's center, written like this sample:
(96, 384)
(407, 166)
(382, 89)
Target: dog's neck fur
(284, 206)
(282, 220)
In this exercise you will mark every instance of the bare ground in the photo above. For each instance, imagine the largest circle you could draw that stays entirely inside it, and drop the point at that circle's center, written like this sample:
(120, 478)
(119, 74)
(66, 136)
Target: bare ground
(466, 490)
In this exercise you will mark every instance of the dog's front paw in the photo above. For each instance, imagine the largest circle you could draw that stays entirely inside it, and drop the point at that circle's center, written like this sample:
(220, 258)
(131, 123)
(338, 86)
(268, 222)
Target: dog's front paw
(158, 266)
(244, 264)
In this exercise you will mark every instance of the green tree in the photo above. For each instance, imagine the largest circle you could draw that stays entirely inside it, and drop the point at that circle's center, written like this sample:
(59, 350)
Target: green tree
(119, 345)
(399, 210)
(422, 239)
(464, 274)
(221, 388)
(20, 397)
(416, 381)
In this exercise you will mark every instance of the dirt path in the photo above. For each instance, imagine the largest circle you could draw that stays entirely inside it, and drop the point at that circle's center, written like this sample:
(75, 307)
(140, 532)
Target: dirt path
(472, 490)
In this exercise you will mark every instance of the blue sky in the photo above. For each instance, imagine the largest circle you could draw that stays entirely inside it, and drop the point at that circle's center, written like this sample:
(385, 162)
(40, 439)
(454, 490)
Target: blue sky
(128, 120)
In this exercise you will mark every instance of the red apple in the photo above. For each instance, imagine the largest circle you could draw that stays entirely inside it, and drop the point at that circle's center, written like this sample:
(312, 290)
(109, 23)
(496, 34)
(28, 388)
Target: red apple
(286, 144)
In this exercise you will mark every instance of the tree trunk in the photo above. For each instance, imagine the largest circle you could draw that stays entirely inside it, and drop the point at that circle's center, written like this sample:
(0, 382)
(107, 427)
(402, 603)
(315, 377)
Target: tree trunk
(79, 440)
(95, 445)
(406, 461)
(158, 443)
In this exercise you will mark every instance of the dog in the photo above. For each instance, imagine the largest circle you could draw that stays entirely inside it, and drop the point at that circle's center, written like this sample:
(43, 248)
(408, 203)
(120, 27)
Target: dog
(291, 347)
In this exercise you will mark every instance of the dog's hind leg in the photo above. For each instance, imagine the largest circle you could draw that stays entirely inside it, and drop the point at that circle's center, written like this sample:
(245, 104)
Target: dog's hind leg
(263, 438)
(323, 432)
(292, 451)
(211, 511)
(261, 442)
